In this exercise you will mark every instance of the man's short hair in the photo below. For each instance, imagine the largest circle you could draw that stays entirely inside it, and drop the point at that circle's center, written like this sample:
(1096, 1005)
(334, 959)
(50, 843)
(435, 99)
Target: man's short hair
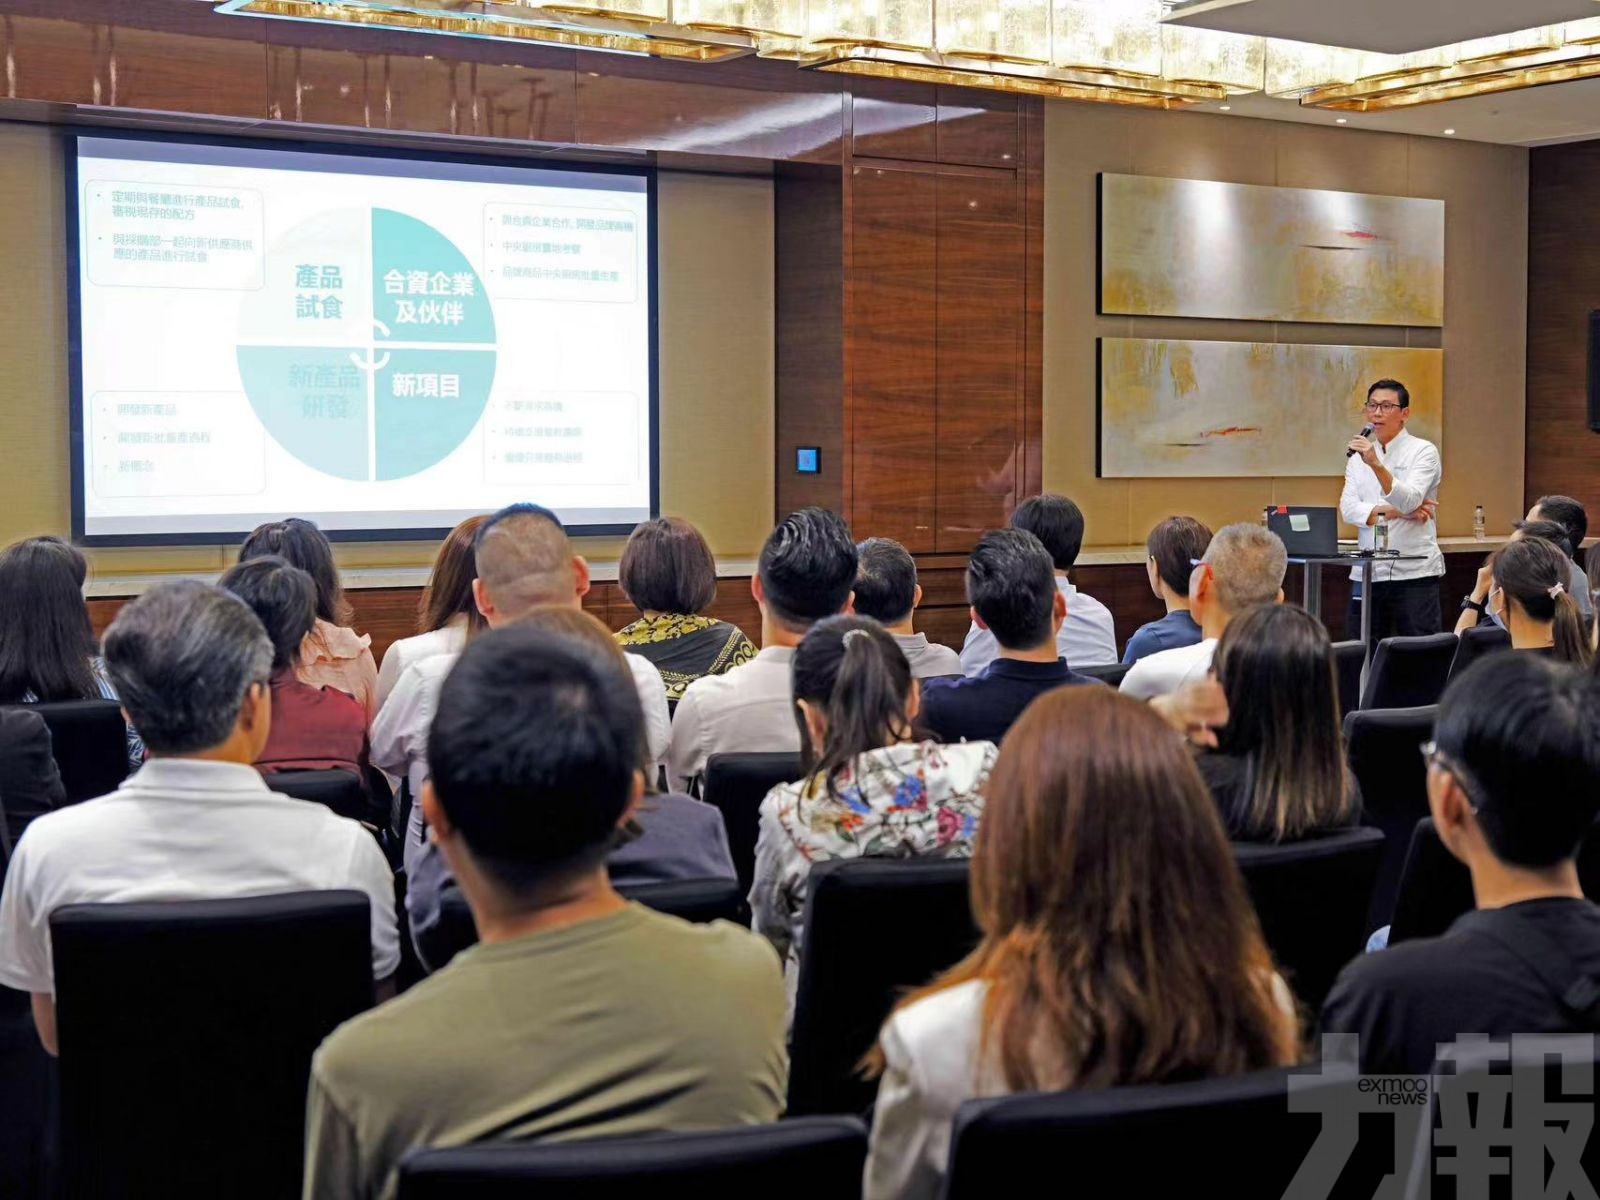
(1057, 522)
(524, 558)
(1570, 515)
(807, 568)
(1011, 584)
(886, 581)
(1174, 545)
(181, 658)
(1553, 532)
(533, 752)
(1523, 734)
(1247, 564)
(1392, 385)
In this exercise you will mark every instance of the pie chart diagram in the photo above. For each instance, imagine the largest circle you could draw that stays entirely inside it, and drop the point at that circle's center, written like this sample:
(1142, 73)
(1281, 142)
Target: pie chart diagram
(369, 353)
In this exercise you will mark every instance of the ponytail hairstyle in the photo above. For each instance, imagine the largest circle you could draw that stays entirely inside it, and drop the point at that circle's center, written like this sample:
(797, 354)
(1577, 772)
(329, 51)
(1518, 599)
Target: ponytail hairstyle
(1534, 573)
(856, 673)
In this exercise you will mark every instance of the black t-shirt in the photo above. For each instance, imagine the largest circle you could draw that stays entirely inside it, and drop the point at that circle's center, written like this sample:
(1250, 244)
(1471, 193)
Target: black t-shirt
(1406, 1001)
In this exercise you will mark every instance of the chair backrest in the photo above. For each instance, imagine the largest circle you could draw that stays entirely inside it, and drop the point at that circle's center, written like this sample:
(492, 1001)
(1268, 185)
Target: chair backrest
(735, 785)
(1409, 671)
(339, 790)
(1348, 659)
(1312, 899)
(1150, 1138)
(874, 929)
(1110, 673)
(90, 742)
(1384, 750)
(1483, 638)
(186, 1033)
(1436, 887)
(801, 1159)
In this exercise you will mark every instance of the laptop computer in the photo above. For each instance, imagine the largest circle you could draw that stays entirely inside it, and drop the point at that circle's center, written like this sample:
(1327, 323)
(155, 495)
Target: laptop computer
(1305, 532)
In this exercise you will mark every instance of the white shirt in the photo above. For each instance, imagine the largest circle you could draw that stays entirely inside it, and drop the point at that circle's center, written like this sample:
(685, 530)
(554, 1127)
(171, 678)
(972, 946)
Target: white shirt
(184, 829)
(1088, 636)
(1414, 463)
(750, 708)
(1166, 671)
(450, 639)
(928, 660)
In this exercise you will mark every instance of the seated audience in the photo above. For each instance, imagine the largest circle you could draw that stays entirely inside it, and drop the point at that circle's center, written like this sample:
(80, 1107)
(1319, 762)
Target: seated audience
(313, 728)
(1241, 568)
(30, 781)
(873, 788)
(446, 615)
(522, 559)
(577, 1014)
(334, 655)
(1574, 521)
(887, 591)
(670, 836)
(1278, 772)
(1514, 787)
(1529, 597)
(47, 647)
(806, 572)
(1088, 637)
(197, 822)
(1172, 548)
(1086, 975)
(668, 574)
(1475, 607)
(1011, 587)
(1593, 562)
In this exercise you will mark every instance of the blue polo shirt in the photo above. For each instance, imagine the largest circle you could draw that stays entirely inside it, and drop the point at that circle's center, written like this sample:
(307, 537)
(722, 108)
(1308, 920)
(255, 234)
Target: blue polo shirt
(1172, 631)
(983, 707)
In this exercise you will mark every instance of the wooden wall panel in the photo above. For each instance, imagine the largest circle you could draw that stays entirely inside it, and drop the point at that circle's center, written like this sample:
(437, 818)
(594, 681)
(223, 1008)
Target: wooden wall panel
(979, 128)
(895, 120)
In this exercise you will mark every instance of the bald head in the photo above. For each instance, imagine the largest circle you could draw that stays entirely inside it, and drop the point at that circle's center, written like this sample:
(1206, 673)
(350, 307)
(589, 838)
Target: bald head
(524, 559)
(1247, 567)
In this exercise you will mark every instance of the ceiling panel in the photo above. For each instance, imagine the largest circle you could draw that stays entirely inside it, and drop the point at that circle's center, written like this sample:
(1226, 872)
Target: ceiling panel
(1390, 26)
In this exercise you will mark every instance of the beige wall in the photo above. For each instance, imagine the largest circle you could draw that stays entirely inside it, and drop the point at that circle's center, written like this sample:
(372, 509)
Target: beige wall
(716, 338)
(1485, 190)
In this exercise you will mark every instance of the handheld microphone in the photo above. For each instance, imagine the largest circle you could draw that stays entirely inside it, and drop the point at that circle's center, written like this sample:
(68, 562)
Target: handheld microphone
(1366, 431)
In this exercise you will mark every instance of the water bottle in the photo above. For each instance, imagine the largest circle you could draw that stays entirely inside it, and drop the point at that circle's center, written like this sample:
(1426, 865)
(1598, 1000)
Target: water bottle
(1479, 528)
(1383, 535)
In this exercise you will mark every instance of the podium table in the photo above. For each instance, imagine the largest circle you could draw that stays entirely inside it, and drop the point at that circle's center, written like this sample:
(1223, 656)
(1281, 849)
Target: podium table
(1311, 594)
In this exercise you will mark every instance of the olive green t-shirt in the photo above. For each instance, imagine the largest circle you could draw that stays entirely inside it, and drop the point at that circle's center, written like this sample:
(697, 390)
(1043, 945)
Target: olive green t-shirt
(631, 1023)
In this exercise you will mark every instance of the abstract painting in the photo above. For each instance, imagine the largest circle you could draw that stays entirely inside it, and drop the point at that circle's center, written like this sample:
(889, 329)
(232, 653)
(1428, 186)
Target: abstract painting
(1185, 409)
(1193, 248)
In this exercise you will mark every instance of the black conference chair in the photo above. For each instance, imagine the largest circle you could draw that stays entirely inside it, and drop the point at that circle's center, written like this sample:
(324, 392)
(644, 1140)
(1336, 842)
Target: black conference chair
(1163, 1139)
(90, 741)
(874, 928)
(1384, 747)
(186, 1034)
(1348, 659)
(339, 790)
(1482, 639)
(800, 1159)
(736, 784)
(1107, 673)
(1312, 899)
(1409, 671)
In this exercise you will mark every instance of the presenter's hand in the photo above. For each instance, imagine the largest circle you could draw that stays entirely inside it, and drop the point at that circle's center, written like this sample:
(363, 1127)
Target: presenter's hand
(1196, 710)
(1423, 511)
(1366, 448)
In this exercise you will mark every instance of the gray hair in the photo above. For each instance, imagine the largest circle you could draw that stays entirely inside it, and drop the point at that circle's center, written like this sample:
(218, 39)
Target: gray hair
(1248, 563)
(181, 657)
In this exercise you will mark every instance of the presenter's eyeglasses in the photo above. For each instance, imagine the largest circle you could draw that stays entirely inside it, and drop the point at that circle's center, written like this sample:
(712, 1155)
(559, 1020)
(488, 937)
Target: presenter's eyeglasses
(1374, 406)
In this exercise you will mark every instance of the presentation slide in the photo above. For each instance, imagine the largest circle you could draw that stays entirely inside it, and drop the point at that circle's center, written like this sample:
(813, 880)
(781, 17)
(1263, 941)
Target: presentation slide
(381, 345)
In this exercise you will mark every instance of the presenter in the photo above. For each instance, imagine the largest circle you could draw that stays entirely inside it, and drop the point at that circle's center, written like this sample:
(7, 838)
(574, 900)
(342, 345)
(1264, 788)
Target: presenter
(1395, 475)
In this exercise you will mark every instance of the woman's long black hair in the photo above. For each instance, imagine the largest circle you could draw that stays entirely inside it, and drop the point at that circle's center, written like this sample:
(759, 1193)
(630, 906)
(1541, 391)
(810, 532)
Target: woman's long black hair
(46, 640)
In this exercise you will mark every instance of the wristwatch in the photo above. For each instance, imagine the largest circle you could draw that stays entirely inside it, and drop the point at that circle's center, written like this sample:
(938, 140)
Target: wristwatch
(1477, 606)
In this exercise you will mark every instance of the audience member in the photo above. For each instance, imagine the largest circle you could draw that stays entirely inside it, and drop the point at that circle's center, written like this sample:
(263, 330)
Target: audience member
(30, 781)
(1574, 521)
(669, 836)
(578, 1015)
(523, 559)
(668, 574)
(1514, 787)
(1475, 606)
(1172, 548)
(191, 663)
(447, 615)
(312, 728)
(1241, 568)
(806, 572)
(47, 646)
(1531, 599)
(1011, 587)
(1088, 636)
(1278, 773)
(872, 787)
(887, 591)
(334, 655)
(1593, 581)
(1087, 976)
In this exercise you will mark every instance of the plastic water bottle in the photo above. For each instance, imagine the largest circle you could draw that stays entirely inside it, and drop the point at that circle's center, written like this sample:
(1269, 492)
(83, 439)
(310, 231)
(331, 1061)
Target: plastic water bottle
(1479, 528)
(1383, 535)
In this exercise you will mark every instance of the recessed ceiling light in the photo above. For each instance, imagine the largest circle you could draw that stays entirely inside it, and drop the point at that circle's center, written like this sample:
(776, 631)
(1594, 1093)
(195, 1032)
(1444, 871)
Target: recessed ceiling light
(1226, 107)
(1340, 120)
(1449, 133)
